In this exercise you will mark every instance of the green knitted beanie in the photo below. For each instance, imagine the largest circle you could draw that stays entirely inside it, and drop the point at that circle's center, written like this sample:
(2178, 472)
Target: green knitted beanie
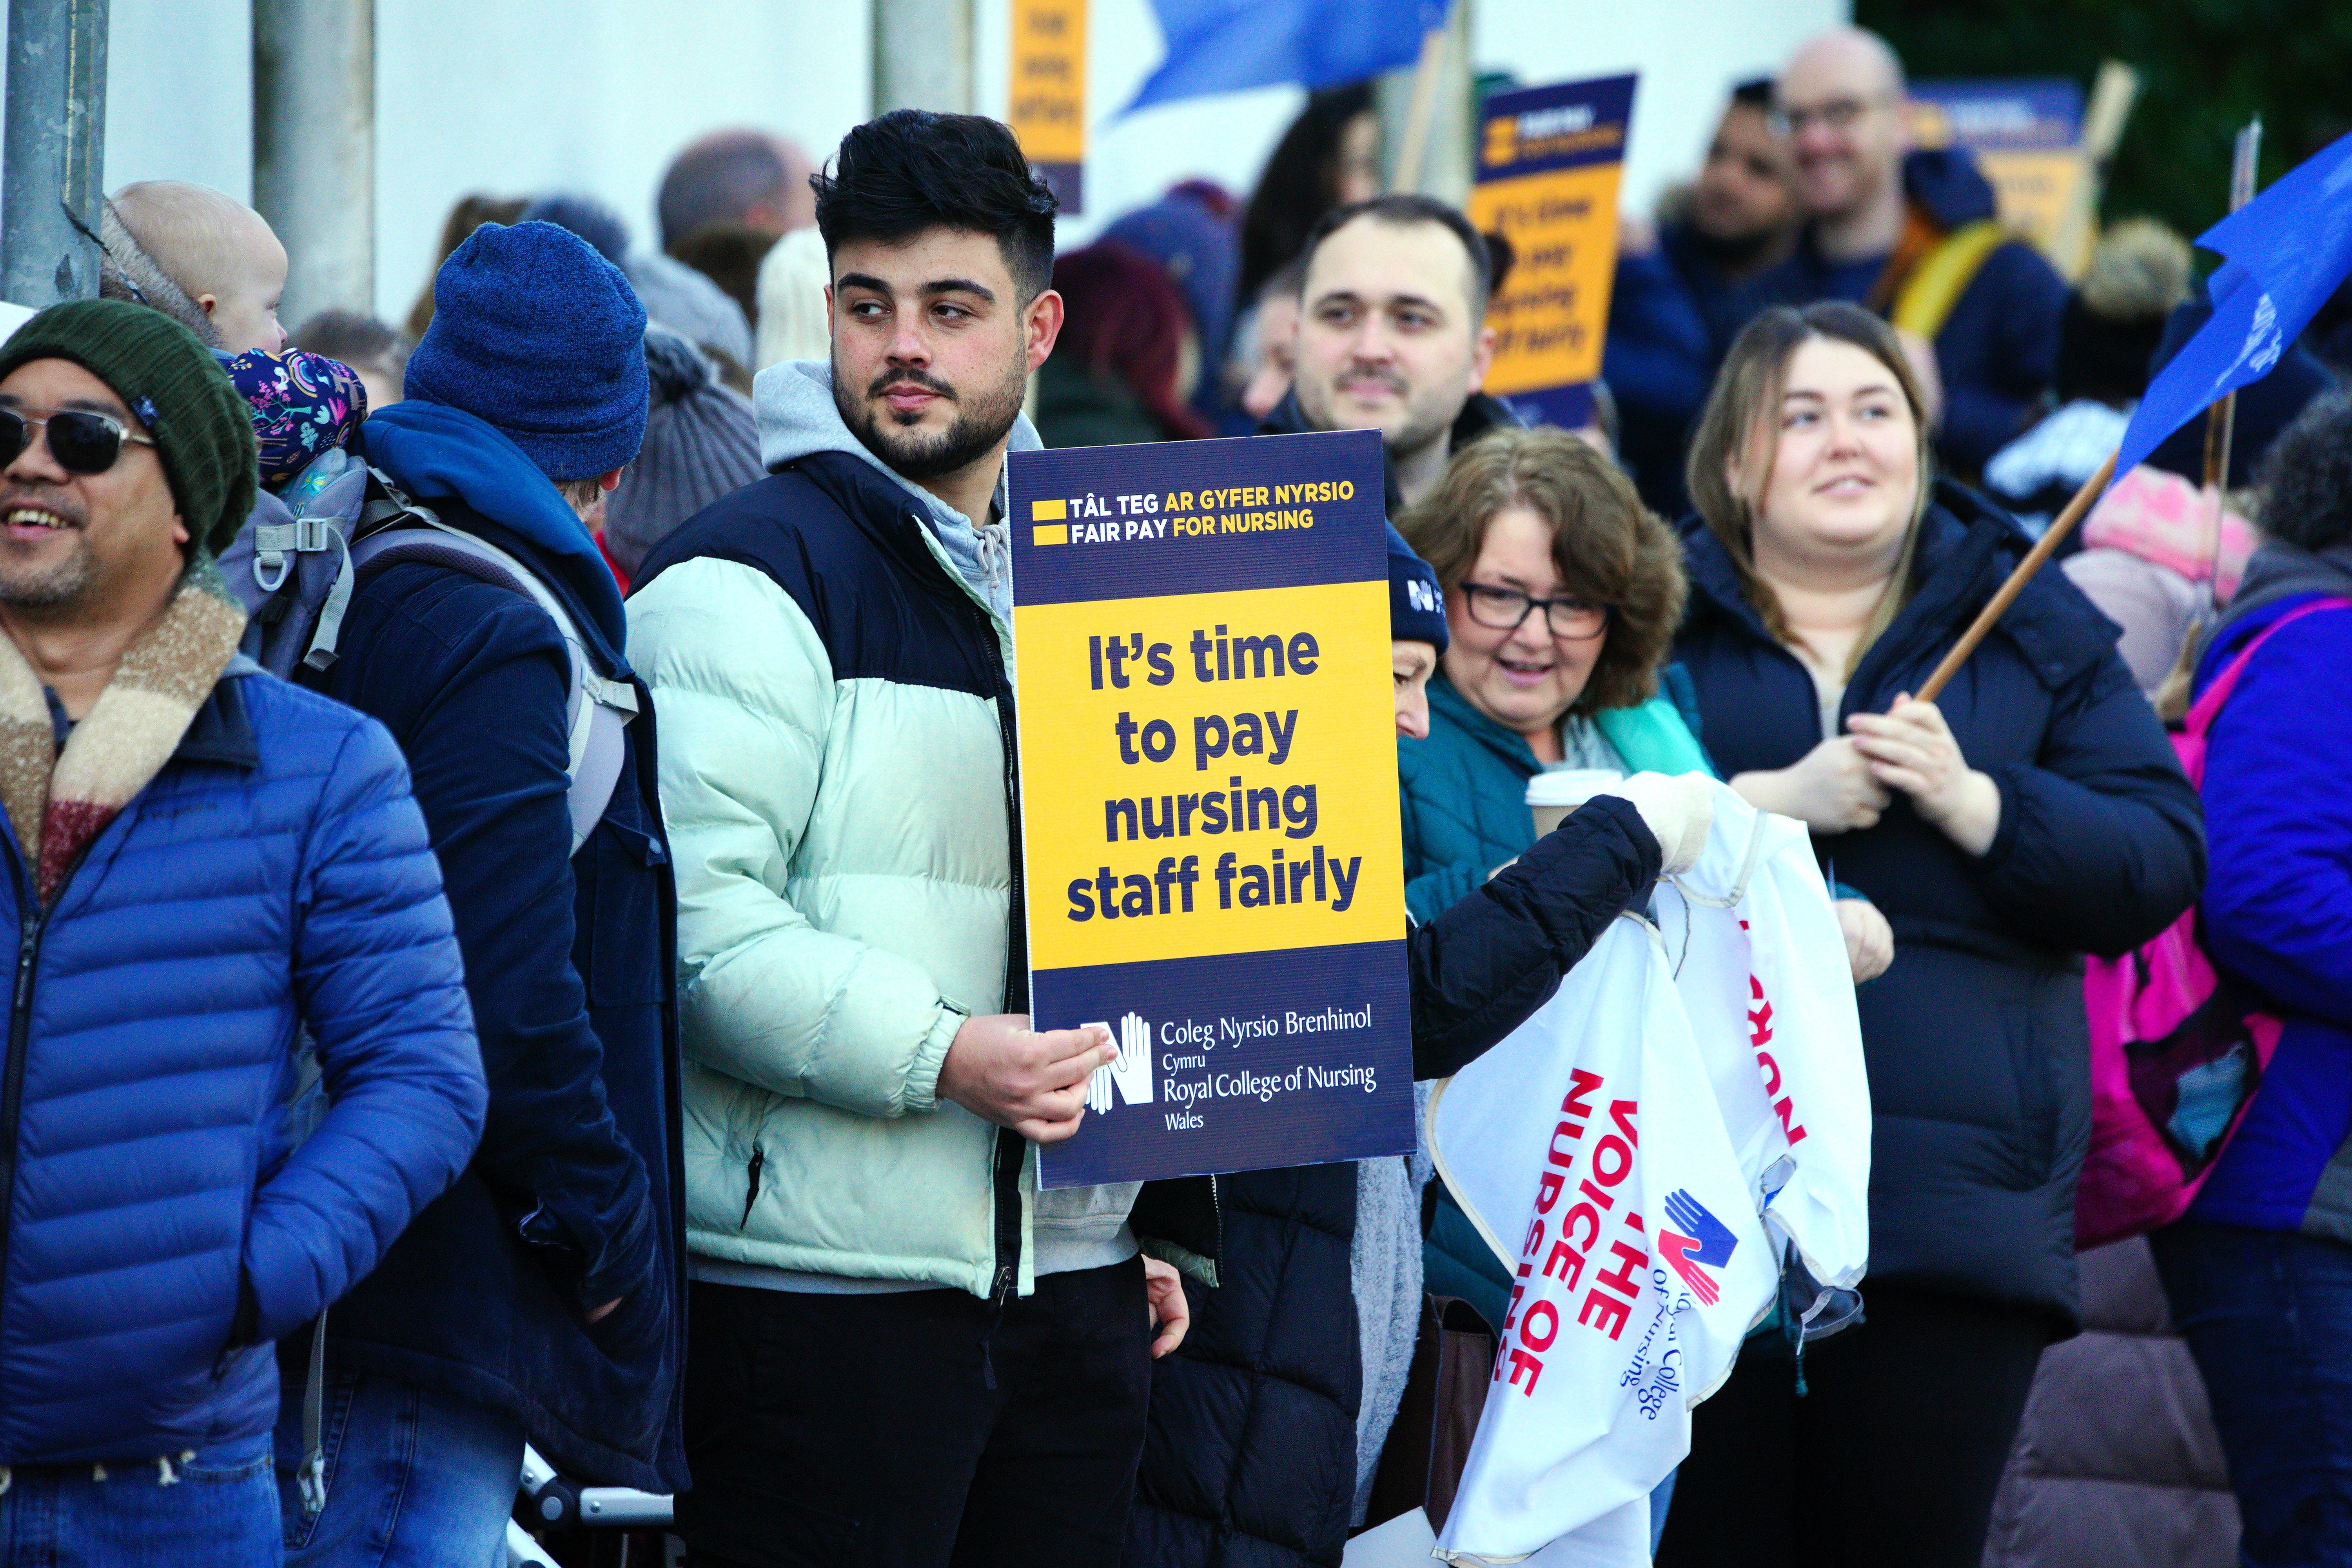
(172, 382)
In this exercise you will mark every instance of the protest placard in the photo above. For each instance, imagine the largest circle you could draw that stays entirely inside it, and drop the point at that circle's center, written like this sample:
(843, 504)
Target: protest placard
(2026, 137)
(1211, 848)
(1047, 109)
(1549, 161)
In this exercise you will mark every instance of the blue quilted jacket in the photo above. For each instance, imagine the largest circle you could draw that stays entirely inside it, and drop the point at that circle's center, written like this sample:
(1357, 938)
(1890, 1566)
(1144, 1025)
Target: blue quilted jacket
(274, 872)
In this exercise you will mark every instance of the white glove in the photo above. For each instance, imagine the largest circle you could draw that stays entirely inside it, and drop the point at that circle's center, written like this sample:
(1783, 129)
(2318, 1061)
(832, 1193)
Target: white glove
(1679, 812)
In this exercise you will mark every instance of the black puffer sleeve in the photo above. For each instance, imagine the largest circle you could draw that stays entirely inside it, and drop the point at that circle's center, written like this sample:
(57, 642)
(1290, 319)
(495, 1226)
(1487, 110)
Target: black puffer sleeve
(1482, 967)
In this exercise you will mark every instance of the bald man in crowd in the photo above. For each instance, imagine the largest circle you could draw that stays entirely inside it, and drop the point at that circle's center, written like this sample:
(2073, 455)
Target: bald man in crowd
(1913, 233)
(740, 175)
(199, 255)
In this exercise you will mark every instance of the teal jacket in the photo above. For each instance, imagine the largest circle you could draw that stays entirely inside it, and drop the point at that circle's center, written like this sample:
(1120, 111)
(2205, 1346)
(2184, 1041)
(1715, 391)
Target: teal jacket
(1464, 789)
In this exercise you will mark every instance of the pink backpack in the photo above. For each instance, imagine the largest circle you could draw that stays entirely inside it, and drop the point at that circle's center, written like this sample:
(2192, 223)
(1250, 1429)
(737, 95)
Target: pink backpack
(2175, 1057)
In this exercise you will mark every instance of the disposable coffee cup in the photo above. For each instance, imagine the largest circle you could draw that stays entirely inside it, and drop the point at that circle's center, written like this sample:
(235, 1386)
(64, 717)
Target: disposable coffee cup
(1552, 796)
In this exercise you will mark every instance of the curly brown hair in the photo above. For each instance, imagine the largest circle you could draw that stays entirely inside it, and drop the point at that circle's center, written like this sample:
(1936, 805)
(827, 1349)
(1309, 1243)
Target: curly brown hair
(1608, 547)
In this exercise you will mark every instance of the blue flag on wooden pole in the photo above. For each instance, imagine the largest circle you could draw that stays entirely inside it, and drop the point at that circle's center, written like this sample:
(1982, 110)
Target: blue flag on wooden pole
(2287, 252)
(1224, 45)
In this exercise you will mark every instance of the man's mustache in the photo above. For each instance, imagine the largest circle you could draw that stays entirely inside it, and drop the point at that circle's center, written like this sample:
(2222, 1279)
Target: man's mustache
(889, 379)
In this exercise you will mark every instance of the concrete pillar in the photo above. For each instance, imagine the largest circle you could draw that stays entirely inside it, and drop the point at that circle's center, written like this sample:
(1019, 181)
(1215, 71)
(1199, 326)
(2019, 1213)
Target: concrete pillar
(923, 56)
(314, 148)
(53, 164)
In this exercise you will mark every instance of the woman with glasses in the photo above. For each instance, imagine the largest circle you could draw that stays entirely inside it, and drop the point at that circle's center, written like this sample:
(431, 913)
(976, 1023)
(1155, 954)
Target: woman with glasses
(2031, 812)
(1561, 597)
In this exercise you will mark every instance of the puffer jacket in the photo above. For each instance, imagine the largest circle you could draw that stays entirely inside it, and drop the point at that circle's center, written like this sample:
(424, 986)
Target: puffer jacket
(274, 875)
(1463, 786)
(842, 910)
(2116, 1460)
(1975, 1038)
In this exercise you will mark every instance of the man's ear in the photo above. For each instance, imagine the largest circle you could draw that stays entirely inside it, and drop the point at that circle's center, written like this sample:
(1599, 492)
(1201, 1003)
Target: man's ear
(1043, 321)
(180, 534)
(1481, 357)
(610, 479)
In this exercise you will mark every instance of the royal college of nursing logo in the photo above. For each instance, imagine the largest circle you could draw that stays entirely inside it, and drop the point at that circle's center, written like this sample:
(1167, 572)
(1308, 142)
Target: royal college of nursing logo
(1709, 1245)
(1131, 1076)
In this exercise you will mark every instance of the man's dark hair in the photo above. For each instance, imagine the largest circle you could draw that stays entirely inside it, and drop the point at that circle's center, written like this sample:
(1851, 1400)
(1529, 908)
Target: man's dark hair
(2306, 477)
(1402, 212)
(912, 170)
(721, 177)
(1755, 93)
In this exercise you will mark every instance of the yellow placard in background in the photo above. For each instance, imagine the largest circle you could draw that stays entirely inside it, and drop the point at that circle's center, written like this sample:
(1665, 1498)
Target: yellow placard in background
(1047, 105)
(1552, 312)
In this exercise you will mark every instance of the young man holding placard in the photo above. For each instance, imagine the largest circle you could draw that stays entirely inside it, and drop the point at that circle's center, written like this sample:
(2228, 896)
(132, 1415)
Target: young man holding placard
(902, 1352)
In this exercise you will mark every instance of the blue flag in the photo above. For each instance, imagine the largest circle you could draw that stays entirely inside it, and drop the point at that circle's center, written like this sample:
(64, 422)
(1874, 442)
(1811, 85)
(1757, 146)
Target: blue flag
(1224, 45)
(2287, 249)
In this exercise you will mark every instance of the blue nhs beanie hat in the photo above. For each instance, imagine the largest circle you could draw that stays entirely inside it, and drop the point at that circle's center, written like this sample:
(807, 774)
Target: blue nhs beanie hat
(1416, 604)
(536, 334)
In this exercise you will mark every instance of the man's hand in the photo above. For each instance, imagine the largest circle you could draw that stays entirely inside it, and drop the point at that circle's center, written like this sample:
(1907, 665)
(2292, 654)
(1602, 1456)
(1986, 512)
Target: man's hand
(1869, 940)
(1829, 789)
(1163, 1288)
(1002, 1070)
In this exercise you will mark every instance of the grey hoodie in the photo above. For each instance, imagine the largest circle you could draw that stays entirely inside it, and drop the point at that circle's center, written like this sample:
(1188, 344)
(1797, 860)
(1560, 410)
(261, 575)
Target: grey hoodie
(797, 416)
(1075, 1227)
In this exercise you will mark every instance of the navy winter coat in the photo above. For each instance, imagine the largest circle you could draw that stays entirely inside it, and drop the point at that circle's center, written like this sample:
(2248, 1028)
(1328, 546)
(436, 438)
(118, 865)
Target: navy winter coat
(1974, 1039)
(575, 1198)
(273, 874)
(1251, 1455)
(1672, 314)
(1997, 352)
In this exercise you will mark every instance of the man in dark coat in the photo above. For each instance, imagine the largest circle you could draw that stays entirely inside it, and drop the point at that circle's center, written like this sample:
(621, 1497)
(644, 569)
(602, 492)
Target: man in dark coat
(203, 866)
(540, 1299)
(1677, 301)
(1881, 217)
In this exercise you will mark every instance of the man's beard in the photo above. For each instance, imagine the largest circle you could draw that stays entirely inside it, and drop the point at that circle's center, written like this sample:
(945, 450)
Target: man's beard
(919, 455)
(27, 587)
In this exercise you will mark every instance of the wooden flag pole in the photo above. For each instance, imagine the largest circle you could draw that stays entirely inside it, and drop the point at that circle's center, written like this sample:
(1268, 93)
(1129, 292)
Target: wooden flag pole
(1413, 146)
(2043, 548)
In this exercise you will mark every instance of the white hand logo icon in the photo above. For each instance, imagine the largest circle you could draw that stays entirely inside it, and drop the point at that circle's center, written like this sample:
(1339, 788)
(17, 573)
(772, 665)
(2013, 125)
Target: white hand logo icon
(1132, 1073)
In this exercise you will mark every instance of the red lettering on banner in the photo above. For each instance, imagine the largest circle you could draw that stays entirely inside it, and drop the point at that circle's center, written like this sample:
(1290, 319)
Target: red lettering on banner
(1600, 1153)
(1567, 1225)
(1548, 1190)
(1760, 1035)
(1571, 1261)
(1621, 1112)
(1595, 1194)
(1630, 1259)
(1534, 1244)
(1607, 1306)
(1522, 1361)
(1551, 1315)
(1581, 1083)
(1571, 1131)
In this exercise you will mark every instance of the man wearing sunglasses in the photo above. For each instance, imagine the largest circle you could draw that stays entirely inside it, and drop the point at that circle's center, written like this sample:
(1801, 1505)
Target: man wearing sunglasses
(199, 861)
(1913, 235)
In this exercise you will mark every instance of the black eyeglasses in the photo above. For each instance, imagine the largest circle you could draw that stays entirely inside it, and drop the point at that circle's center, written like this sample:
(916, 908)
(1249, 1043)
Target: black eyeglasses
(81, 442)
(1504, 609)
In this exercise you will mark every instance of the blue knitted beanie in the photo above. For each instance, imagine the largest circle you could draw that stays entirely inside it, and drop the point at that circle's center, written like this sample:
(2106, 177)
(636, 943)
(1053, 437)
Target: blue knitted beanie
(535, 333)
(1416, 604)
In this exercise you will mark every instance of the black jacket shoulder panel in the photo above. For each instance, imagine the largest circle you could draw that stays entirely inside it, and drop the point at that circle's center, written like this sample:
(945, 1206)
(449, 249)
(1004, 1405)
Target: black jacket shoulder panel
(843, 542)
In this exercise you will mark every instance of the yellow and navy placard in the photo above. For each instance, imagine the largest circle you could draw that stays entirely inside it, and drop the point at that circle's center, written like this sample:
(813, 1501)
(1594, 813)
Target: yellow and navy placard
(1549, 161)
(1047, 106)
(1211, 857)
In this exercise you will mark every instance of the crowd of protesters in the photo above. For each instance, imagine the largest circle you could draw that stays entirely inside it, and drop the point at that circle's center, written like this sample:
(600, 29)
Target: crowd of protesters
(553, 973)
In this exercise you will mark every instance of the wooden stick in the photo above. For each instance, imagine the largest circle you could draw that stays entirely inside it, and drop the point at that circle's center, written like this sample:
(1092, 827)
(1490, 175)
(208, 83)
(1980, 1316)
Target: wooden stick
(2043, 548)
(1413, 144)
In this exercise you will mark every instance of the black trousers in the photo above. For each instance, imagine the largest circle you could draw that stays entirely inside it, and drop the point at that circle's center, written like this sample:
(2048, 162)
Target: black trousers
(918, 1430)
(1891, 1461)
